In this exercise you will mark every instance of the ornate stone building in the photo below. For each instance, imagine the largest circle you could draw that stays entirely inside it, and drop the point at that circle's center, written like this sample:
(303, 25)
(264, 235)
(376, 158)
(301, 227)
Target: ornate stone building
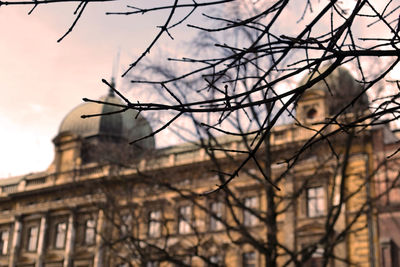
(104, 203)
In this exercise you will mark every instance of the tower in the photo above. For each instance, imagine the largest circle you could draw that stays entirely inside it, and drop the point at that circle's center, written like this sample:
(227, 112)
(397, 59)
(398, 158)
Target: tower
(102, 138)
(330, 96)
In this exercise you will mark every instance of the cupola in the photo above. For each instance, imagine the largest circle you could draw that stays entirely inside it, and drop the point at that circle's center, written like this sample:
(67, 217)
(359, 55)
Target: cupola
(101, 138)
(329, 96)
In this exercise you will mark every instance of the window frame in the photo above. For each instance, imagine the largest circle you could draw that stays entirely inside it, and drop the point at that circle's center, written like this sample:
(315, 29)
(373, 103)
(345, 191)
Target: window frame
(185, 260)
(215, 259)
(154, 227)
(214, 223)
(30, 245)
(249, 262)
(315, 201)
(90, 229)
(249, 219)
(4, 242)
(60, 235)
(152, 264)
(126, 224)
(316, 258)
(184, 220)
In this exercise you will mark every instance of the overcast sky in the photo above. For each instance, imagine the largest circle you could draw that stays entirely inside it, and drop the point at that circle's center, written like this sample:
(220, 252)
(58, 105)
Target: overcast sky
(41, 80)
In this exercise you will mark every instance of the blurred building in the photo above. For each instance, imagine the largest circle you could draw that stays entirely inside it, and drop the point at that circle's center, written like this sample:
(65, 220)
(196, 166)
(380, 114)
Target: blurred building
(105, 203)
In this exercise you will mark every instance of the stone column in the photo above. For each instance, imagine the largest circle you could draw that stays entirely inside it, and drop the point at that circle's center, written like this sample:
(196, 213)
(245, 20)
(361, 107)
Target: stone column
(41, 244)
(16, 241)
(69, 245)
(98, 257)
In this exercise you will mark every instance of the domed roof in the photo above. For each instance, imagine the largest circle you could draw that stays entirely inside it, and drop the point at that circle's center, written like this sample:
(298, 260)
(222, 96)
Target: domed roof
(340, 88)
(127, 126)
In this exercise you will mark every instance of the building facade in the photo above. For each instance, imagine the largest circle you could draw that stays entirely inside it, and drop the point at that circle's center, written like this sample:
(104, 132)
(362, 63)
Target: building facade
(103, 203)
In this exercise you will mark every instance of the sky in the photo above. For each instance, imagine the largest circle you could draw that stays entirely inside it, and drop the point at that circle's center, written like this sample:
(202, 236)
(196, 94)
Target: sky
(41, 80)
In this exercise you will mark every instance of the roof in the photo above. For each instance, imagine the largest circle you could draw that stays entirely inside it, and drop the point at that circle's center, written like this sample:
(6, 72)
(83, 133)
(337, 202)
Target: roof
(340, 87)
(127, 125)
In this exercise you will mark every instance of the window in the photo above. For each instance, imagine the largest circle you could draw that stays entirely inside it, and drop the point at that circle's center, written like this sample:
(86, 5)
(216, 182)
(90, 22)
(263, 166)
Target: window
(186, 261)
(315, 201)
(316, 259)
(249, 259)
(311, 113)
(4, 242)
(152, 264)
(126, 224)
(248, 218)
(61, 231)
(215, 260)
(390, 255)
(33, 233)
(184, 219)
(90, 231)
(154, 223)
(216, 211)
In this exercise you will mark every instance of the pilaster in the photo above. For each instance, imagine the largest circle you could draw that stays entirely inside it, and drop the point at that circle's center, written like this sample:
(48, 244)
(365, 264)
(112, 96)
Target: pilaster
(41, 240)
(69, 245)
(98, 257)
(16, 241)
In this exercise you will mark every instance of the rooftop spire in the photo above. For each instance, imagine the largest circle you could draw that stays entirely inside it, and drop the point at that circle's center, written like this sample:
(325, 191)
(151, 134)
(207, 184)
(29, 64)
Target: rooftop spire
(110, 90)
(114, 72)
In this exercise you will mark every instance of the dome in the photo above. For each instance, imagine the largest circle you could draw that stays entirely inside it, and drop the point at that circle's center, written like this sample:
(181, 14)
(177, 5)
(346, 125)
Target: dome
(339, 88)
(122, 127)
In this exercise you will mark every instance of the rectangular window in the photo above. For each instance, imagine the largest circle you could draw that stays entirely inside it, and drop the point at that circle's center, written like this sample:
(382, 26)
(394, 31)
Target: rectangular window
(316, 259)
(152, 264)
(315, 201)
(90, 231)
(215, 260)
(186, 261)
(184, 219)
(390, 253)
(249, 259)
(4, 242)
(33, 233)
(61, 231)
(154, 223)
(126, 224)
(249, 219)
(216, 212)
